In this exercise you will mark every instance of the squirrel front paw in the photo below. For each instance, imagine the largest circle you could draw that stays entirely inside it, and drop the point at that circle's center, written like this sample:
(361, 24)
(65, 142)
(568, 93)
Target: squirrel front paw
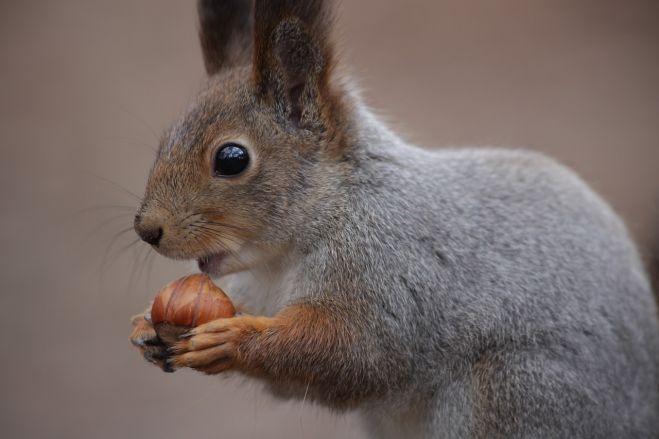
(214, 347)
(144, 337)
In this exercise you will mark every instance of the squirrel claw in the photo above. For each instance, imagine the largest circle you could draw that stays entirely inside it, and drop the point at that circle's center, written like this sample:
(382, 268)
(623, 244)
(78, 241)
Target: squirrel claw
(148, 356)
(141, 342)
(169, 365)
(173, 350)
(159, 355)
(186, 335)
(153, 341)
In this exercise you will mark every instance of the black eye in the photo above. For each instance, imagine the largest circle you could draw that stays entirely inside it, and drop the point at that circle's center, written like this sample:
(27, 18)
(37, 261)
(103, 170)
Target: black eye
(231, 159)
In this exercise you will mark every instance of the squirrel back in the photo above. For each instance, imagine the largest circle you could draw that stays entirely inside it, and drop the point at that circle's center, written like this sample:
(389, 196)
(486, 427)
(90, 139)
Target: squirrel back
(454, 293)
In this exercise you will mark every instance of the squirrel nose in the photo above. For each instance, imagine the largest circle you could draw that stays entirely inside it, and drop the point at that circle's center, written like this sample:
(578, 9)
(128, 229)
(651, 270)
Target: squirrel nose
(150, 233)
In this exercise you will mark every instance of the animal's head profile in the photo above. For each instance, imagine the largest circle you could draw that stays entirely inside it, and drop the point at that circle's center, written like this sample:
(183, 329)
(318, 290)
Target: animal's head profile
(231, 174)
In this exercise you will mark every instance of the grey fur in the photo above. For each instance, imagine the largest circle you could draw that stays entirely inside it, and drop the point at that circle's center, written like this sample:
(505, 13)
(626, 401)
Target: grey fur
(503, 297)
(473, 293)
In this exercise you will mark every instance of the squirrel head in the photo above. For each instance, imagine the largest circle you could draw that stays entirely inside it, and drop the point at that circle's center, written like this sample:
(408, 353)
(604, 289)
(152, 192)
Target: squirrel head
(234, 170)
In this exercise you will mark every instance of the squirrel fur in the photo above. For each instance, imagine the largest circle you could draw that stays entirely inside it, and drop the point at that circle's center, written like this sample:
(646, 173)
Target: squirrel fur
(456, 293)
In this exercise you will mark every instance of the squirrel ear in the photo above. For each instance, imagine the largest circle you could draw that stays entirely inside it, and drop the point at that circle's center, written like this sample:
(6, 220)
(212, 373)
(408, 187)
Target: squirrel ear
(225, 32)
(293, 55)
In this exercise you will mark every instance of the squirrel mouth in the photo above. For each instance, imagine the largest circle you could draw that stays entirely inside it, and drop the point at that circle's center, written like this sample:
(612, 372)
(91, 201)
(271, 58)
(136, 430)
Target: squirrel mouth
(211, 264)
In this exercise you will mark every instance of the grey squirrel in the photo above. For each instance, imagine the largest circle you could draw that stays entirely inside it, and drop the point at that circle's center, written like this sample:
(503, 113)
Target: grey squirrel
(467, 293)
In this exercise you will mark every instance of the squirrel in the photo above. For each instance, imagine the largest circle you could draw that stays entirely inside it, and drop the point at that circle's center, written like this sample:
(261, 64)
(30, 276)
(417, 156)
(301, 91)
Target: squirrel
(452, 293)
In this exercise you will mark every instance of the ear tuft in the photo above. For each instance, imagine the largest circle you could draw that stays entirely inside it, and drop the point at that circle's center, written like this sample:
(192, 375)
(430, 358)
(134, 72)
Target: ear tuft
(225, 32)
(297, 53)
(301, 63)
(293, 54)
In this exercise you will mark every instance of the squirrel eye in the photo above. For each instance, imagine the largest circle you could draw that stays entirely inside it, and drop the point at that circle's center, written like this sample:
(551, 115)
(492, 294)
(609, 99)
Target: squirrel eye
(230, 159)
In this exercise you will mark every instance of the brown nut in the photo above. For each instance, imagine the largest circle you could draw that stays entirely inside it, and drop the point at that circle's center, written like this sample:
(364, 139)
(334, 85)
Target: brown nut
(190, 301)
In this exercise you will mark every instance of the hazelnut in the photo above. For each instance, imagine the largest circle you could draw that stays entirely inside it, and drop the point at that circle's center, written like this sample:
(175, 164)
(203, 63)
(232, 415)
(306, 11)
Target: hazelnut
(188, 302)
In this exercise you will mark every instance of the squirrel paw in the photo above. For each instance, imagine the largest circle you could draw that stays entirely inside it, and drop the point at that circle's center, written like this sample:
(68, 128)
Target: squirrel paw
(214, 347)
(144, 337)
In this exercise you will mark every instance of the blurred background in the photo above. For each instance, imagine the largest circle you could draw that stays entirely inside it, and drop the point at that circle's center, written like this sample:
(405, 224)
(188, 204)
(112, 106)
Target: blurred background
(87, 86)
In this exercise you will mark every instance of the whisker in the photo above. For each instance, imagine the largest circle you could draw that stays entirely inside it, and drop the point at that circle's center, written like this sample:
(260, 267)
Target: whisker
(104, 261)
(136, 257)
(116, 185)
(219, 228)
(205, 227)
(216, 238)
(100, 227)
(216, 231)
(140, 266)
(86, 214)
(117, 235)
(105, 266)
(189, 216)
(151, 257)
(103, 207)
(304, 400)
(143, 122)
(131, 141)
(217, 223)
(210, 220)
(220, 235)
(123, 249)
(143, 264)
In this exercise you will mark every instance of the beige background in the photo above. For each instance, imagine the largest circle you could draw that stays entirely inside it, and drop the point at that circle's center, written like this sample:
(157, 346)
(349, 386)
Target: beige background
(87, 86)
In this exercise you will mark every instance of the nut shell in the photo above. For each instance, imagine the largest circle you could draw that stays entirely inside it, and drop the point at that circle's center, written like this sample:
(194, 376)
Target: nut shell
(191, 301)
